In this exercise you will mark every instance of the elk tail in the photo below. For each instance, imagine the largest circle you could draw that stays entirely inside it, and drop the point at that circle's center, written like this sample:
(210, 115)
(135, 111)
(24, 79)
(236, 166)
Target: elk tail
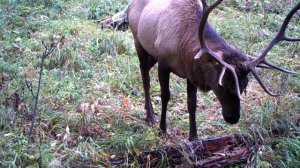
(118, 21)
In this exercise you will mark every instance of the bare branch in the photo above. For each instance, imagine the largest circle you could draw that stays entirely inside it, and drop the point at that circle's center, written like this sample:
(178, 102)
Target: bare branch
(46, 53)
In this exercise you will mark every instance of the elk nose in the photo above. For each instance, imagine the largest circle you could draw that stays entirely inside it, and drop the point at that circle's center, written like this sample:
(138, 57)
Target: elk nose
(232, 120)
(231, 113)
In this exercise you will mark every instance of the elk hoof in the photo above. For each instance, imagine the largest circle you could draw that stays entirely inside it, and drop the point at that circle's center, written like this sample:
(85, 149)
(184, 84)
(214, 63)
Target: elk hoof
(152, 120)
(193, 138)
(232, 120)
(162, 133)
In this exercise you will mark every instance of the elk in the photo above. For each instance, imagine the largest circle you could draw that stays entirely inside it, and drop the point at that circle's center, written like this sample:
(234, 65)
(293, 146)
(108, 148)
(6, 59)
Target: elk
(176, 34)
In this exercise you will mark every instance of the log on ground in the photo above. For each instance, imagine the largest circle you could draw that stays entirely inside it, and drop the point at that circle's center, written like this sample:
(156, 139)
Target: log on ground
(214, 152)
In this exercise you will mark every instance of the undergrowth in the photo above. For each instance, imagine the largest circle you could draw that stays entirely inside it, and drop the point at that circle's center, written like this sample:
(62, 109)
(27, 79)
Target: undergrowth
(92, 101)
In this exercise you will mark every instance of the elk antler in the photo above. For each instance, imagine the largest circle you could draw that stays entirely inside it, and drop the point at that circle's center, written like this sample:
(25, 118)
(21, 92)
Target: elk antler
(281, 36)
(205, 50)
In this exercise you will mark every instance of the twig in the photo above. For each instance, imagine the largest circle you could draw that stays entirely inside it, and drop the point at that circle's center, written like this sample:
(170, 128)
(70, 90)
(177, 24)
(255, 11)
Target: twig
(134, 118)
(12, 95)
(29, 87)
(46, 53)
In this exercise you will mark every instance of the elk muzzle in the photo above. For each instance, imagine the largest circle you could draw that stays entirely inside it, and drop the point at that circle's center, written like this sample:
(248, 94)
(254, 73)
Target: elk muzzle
(231, 111)
(230, 105)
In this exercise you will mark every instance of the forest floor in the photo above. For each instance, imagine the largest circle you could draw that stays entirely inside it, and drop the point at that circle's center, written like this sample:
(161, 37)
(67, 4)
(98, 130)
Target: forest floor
(91, 106)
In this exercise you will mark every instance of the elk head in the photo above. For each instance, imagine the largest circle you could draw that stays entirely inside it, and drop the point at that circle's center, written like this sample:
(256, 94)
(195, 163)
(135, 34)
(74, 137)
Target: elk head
(233, 80)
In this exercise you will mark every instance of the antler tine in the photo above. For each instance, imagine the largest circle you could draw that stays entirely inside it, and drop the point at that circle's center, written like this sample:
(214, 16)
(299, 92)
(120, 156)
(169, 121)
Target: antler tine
(204, 4)
(267, 65)
(222, 75)
(281, 36)
(205, 50)
(206, 11)
(255, 74)
(227, 66)
(291, 39)
(236, 80)
(286, 22)
(276, 67)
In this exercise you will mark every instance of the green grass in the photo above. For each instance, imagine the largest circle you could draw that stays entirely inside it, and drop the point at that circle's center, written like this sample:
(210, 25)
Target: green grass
(92, 104)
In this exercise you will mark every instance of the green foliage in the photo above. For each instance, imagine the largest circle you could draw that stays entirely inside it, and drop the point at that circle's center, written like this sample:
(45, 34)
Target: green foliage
(110, 43)
(295, 83)
(104, 8)
(7, 68)
(92, 98)
(287, 152)
(19, 152)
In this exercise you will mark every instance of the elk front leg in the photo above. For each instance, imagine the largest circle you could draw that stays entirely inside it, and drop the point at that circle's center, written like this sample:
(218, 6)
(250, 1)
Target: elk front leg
(146, 63)
(192, 101)
(146, 83)
(164, 77)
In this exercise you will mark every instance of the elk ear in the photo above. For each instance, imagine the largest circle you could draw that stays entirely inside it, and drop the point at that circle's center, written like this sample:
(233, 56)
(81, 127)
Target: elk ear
(201, 54)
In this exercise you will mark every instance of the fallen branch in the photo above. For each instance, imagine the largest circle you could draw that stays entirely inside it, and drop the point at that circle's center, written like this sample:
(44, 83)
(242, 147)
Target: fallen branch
(214, 152)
